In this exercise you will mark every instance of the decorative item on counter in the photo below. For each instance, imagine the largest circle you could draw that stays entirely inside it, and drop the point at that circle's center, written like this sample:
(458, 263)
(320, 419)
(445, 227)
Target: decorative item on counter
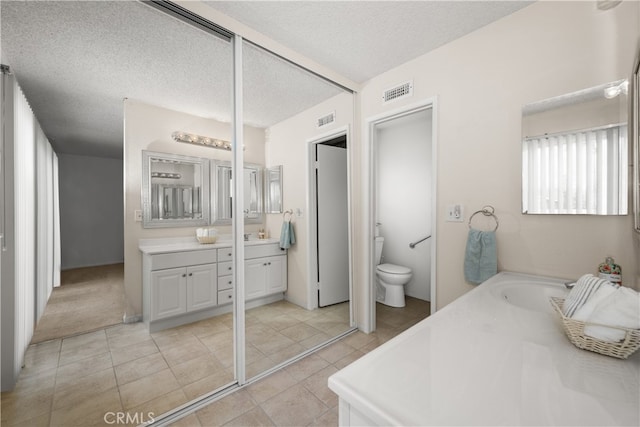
(206, 235)
(610, 271)
(261, 234)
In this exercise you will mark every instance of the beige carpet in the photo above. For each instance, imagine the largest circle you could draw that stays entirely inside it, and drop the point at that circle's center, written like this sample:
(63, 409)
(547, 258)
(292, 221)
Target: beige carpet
(89, 298)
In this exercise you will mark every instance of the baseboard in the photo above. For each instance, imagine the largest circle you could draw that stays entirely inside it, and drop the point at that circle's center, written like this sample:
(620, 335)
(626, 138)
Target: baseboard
(132, 319)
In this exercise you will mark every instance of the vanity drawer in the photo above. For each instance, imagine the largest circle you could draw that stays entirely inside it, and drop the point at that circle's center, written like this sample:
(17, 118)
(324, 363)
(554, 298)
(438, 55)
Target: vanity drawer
(182, 259)
(225, 268)
(225, 254)
(259, 251)
(225, 296)
(225, 282)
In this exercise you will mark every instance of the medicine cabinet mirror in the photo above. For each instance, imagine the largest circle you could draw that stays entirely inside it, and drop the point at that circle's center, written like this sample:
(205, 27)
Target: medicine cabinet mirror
(221, 183)
(575, 152)
(273, 189)
(175, 190)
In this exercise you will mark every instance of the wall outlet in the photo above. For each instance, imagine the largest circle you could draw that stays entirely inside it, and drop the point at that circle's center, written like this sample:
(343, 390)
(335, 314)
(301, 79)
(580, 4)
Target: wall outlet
(455, 213)
(137, 215)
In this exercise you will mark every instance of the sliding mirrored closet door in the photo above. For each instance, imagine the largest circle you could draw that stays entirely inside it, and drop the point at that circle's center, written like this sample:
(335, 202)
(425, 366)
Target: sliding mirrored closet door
(283, 106)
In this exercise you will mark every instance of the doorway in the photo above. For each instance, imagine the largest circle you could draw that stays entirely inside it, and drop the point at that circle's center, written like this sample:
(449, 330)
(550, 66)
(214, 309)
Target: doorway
(403, 205)
(332, 257)
(330, 248)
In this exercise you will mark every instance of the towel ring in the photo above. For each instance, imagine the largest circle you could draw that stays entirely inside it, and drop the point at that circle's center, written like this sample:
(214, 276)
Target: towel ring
(284, 215)
(486, 211)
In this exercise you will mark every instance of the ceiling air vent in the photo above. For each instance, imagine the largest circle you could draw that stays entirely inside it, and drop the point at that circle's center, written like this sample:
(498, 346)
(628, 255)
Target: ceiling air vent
(326, 120)
(401, 91)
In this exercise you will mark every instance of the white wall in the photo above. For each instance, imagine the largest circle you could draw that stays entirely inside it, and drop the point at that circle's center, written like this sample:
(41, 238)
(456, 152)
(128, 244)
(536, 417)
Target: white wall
(91, 206)
(403, 196)
(481, 82)
(149, 127)
(287, 145)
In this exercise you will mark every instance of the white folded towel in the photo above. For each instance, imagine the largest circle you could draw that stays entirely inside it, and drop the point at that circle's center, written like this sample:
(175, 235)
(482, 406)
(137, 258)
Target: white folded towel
(585, 287)
(621, 309)
(583, 312)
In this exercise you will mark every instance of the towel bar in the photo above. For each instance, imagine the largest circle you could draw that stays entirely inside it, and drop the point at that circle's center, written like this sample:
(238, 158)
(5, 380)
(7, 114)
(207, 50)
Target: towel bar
(487, 210)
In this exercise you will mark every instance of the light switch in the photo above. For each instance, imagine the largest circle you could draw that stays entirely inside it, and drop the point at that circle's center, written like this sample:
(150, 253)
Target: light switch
(455, 213)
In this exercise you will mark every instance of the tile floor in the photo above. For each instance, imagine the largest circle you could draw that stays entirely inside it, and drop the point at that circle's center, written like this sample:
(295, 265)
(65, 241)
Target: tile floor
(76, 381)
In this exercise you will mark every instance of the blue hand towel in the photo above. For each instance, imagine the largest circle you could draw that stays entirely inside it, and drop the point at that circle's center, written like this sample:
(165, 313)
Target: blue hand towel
(480, 260)
(287, 235)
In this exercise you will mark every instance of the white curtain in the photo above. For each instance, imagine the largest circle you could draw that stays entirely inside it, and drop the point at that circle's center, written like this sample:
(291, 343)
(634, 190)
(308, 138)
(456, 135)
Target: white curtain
(581, 172)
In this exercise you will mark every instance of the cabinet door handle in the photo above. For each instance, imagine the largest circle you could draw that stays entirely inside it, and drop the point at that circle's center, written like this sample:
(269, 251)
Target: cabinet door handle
(229, 254)
(269, 262)
(229, 297)
(184, 275)
(230, 282)
(190, 274)
(229, 268)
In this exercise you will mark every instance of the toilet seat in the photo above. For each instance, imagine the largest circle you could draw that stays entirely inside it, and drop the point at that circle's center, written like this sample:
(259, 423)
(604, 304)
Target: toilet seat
(393, 269)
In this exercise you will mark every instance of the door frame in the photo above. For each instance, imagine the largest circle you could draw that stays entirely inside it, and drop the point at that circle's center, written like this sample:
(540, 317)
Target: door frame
(312, 226)
(371, 155)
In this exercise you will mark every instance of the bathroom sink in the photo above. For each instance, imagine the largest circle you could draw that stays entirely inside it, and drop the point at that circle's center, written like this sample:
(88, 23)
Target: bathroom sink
(530, 296)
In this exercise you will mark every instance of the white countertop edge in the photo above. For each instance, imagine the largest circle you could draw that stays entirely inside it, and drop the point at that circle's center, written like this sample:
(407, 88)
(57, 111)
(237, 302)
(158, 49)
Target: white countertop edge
(182, 244)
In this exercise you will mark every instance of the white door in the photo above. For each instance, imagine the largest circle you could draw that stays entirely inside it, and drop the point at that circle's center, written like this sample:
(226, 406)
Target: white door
(332, 220)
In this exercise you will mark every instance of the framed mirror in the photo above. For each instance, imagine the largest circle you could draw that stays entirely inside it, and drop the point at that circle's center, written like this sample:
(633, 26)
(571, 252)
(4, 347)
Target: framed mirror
(175, 190)
(221, 184)
(273, 189)
(575, 152)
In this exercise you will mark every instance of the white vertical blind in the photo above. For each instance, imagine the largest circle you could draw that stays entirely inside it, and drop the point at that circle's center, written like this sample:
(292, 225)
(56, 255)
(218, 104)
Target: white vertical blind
(580, 172)
(25, 221)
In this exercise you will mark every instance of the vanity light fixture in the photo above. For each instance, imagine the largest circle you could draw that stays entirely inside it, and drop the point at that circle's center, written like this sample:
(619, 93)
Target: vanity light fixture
(165, 175)
(190, 138)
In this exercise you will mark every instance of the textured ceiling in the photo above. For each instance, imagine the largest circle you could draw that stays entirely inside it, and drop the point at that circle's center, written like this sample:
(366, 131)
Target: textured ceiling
(77, 60)
(362, 39)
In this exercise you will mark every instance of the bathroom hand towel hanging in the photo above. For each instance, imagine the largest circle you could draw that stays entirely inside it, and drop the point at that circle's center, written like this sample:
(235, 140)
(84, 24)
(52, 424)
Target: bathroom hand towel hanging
(287, 234)
(481, 260)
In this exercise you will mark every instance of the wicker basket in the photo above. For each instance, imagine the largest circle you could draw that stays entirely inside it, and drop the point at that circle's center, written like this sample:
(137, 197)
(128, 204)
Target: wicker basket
(207, 239)
(575, 332)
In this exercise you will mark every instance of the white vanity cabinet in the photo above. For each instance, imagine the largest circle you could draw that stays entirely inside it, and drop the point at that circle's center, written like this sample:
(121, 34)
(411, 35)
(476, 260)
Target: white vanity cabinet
(265, 271)
(187, 282)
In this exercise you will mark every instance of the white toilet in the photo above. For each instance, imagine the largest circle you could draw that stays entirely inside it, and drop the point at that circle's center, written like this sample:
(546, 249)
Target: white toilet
(391, 279)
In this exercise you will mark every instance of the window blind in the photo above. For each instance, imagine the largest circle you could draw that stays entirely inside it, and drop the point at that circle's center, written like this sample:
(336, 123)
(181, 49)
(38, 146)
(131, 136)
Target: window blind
(578, 172)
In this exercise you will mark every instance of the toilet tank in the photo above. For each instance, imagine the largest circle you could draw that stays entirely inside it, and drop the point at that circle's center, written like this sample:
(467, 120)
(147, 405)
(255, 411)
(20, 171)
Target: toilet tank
(379, 243)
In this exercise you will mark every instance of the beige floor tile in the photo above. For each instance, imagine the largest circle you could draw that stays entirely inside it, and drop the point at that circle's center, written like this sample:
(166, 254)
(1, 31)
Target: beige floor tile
(315, 340)
(281, 322)
(300, 331)
(154, 408)
(226, 354)
(92, 345)
(132, 352)
(70, 393)
(218, 340)
(209, 384)
(139, 368)
(196, 369)
(125, 329)
(89, 410)
(120, 341)
(226, 409)
(358, 339)
(69, 374)
(286, 353)
(258, 367)
(295, 406)
(272, 344)
(147, 388)
(18, 407)
(37, 421)
(270, 386)
(348, 359)
(318, 385)
(306, 367)
(169, 342)
(335, 351)
(32, 379)
(255, 417)
(190, 420)
(43, 350)
(181, 354)
(207, 327)
(328, 419)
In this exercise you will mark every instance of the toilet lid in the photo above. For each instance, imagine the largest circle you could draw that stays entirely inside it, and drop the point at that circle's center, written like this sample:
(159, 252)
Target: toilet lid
(394, 269)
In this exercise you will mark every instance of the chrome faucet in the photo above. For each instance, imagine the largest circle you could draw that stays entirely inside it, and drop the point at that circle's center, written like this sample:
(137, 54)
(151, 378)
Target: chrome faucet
(246, 237)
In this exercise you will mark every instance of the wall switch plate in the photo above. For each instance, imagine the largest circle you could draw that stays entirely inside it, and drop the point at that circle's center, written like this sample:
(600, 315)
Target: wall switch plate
(137, 215)
(455, 213)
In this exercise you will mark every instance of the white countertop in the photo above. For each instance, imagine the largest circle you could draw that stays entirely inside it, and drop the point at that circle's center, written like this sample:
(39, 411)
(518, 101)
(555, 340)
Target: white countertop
(484, 361)
(182, 244)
